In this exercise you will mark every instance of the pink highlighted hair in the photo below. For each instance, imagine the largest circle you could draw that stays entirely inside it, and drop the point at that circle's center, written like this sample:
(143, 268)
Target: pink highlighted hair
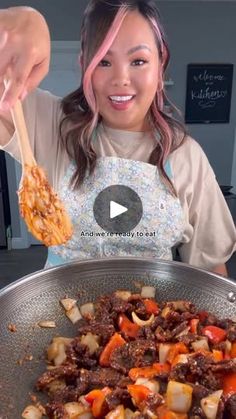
(101, 24)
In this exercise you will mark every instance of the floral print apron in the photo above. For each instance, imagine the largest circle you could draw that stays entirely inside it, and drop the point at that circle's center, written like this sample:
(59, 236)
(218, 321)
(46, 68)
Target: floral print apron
(159, 230)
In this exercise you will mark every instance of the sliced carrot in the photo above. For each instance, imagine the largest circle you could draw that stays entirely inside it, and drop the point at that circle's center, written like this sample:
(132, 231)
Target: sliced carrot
(115, 342)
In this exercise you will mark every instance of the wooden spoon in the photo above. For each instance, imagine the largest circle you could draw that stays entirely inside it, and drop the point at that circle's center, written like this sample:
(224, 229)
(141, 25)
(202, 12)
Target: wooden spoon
(39, 205)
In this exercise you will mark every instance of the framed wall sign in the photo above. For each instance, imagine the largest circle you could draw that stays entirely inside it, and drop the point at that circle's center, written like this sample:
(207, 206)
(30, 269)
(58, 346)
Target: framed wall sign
(208, 95)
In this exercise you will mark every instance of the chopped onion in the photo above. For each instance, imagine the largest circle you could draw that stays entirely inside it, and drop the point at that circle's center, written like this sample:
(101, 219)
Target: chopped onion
(228, 347)
(166, 310)
(200, 344)
(68, 303)
(61, 354)
(91, 341)
(56, 351)
(75, 409)
(180, 305)
(74, 314)
(153, 385)
(129, 414)
(123, 294)
(47, 324)
(148, 292)
(164, 349)
(179, 396)
(140, 322)
(87, 309)
(117, 413)
(210, 404)
(32, 412)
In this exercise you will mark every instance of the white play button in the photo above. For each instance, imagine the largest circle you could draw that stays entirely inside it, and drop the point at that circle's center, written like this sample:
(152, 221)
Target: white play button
(116, 209)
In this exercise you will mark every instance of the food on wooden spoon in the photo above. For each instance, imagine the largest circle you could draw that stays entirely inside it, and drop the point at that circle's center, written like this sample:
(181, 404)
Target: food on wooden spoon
(40, 206)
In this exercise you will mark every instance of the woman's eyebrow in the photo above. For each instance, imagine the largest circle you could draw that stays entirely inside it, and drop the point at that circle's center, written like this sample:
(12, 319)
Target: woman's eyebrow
(132, 50)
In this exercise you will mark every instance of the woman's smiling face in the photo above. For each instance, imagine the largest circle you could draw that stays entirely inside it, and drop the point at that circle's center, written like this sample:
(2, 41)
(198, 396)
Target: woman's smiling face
(126, 80)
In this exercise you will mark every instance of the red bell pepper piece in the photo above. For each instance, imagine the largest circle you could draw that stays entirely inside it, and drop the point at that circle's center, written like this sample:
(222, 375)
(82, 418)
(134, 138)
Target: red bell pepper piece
(96, 398)
(151, 306)
(233, 350)
(148, 372)
(176, 349)
(115, 341)
(127, 327)
(217, 355)
(139, 393)
(215, 334)
(229, 384)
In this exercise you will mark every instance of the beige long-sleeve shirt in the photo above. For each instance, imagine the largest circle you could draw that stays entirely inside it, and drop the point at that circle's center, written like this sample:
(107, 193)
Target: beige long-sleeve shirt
(209, 237)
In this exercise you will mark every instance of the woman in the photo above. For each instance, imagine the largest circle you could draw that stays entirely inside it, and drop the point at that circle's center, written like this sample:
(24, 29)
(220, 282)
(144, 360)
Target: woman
(113, 130)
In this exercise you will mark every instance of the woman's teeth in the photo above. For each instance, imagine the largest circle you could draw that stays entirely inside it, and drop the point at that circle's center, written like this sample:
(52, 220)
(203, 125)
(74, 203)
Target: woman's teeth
(119, 99)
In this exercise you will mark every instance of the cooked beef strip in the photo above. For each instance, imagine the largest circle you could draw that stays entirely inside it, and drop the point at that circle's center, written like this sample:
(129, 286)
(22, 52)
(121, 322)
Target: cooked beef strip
(224, 366)
(178, 329)
(64, 371)
(146, 332)
(138, 305)
(138, 353)
(118, 396)
(231, 335)
(79, 354)
(162, 335)
(104, 377)
(224, 323)
(230, 407)
(56, 411)
(187, 339)
(199, 392)
(103, 330)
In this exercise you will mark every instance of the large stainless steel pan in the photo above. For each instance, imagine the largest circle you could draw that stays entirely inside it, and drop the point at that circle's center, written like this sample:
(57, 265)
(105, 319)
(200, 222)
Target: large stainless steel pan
(36, 297)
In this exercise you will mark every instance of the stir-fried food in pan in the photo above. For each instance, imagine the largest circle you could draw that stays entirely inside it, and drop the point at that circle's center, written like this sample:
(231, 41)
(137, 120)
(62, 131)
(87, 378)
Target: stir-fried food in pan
(41, 208)
(136, 358)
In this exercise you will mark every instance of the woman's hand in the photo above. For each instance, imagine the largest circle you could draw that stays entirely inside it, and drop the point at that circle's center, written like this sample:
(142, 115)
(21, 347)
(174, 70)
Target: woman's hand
(24, 51)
